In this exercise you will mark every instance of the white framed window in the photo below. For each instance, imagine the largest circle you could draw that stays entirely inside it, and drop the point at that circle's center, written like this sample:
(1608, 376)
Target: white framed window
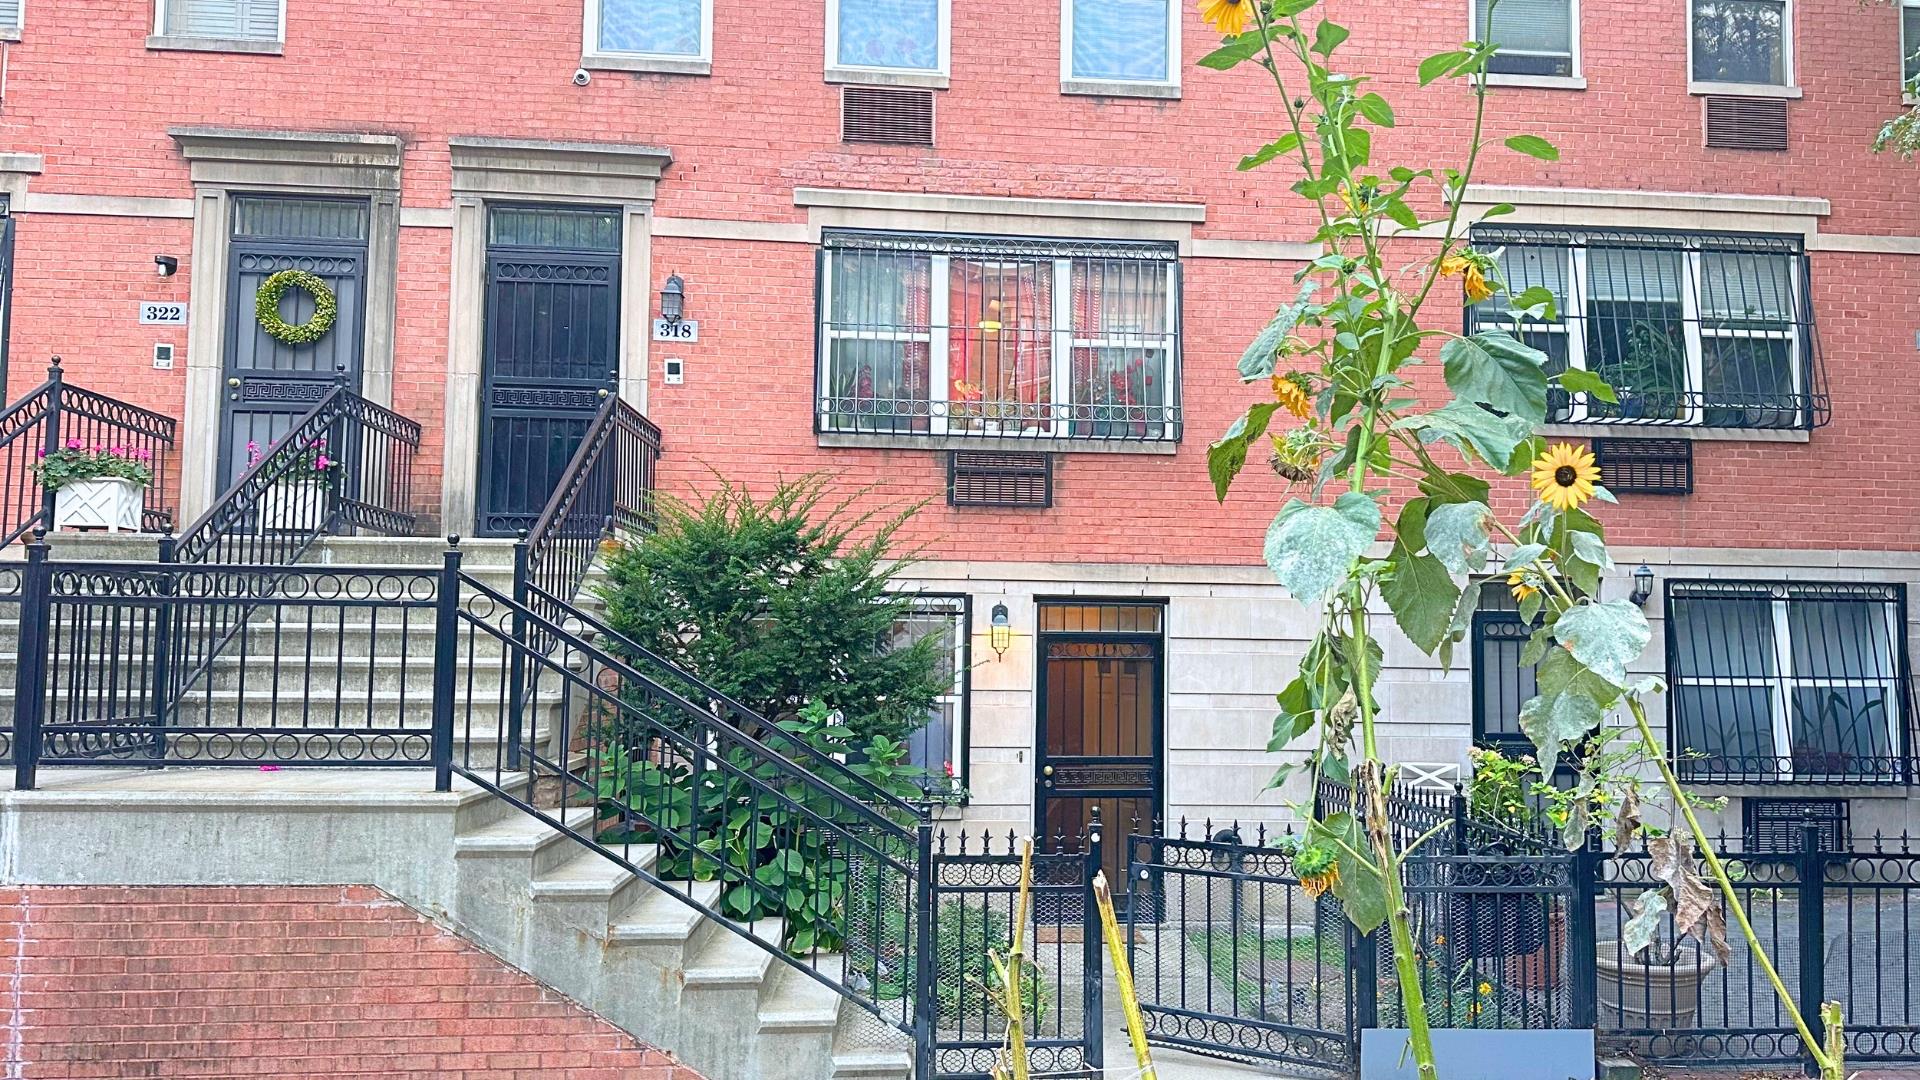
(1909, 43)
(1788, 680)
(900, 36)
(1710, 330)
(938, 748)
(1120, 41)
(980, 337)
(1741, 42)
(229, 20)
(663, 29)
(12, 17)
(1538, 38)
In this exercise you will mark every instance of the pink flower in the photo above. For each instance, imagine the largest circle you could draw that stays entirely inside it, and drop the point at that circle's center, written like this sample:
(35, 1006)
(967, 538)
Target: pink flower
(74, 444)
(143, 454)
(321, 462)
(43, 452)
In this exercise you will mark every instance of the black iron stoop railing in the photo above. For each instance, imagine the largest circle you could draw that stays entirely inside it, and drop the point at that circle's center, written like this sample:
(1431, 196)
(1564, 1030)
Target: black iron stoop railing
(56, 415)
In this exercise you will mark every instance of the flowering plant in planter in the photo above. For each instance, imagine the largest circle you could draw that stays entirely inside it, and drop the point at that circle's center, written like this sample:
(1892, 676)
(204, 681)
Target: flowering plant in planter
(311, 464)
(76, 462)
(1366, 458)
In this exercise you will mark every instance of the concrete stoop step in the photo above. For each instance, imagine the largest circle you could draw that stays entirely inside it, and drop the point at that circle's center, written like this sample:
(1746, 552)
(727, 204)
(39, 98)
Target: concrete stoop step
(651, 963)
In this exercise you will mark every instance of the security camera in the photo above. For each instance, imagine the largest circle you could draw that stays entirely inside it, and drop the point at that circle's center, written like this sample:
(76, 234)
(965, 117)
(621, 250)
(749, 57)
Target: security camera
(582, 77)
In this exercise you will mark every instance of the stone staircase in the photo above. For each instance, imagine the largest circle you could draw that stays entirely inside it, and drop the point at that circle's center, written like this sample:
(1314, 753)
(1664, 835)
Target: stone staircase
(631, 951)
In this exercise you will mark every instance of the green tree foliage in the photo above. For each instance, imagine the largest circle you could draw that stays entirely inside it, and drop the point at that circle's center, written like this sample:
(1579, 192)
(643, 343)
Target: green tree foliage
(777, 602)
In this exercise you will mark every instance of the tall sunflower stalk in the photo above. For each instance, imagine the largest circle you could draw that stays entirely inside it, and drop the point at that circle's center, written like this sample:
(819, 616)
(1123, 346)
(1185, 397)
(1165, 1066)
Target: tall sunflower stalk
(1371, 456)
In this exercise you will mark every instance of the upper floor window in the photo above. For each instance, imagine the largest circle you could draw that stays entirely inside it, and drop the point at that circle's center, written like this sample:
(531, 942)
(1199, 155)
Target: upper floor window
(989, 337)
(1536, 37)
(1910, 41)
(1132, 41)
(10, 18)
(1780, 681)
(239, 20)
(669, 28)
(1743, 41)
(1714, 330)
(888, 35)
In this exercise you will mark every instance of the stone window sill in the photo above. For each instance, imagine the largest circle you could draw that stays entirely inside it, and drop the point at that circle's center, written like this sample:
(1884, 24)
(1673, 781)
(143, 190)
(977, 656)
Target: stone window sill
(1724, 89)
(9, 33)
(252, 46)
(924, 80)
(1539, 82)
(1120, 89)
(877, 441)
(658, 65)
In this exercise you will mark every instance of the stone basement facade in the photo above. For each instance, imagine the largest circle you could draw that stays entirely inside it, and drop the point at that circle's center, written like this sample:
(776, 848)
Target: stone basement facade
(1053, 257)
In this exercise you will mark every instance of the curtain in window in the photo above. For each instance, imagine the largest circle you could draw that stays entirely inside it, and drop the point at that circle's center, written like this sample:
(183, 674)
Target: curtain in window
(879, 329)
(932, 747)
(1740, 41)
(224, 18)
(1120, 341)
(1535, 36)
(1000, 342)
(1122, 40)
(664, 27)
(890, 34)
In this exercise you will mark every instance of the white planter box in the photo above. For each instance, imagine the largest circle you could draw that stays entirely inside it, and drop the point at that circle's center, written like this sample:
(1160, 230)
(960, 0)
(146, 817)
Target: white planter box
(113, 505)
(293, 506)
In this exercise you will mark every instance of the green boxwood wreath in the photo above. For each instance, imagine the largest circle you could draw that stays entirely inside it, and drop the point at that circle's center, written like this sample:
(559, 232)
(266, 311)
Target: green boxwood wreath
(266, 307)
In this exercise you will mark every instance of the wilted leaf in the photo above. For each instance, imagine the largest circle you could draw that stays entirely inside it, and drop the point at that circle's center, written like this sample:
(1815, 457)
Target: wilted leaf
(1696, 908)
(1626, 820)
(1226, 457)
(1605, 637)
(1637, 933)
(1457, 536)
(1311, 549)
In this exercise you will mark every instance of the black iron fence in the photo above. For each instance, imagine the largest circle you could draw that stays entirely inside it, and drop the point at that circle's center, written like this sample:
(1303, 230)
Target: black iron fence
(58, 415)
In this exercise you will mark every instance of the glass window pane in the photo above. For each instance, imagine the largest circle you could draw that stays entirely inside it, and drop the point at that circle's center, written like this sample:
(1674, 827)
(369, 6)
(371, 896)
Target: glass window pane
(1731, 726)
(224, 18)
(1000, 341)
(1527, 26)
(1120, 39)
(1841, 639)
(890, 34)
(269, 217)
(1526, 267)
(1748, 382)
(1745, 287)
(554, 228)
(1740, 41)
(669, 27)
(1725, 639)
(1910, 40)
(1118, 392)
(934, 746)
(877, 385)
(881, 291)
(1841, 730)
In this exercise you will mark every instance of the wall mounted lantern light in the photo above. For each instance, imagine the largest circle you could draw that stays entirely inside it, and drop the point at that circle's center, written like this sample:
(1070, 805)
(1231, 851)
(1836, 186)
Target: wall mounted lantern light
(1000, 633)
(1642, 585)
(165, 265)
(673, 299)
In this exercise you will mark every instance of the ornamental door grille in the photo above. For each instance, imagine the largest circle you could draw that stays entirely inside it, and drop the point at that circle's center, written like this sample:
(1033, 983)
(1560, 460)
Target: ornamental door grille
(552, 352)
(269, 384)
(1100, 739)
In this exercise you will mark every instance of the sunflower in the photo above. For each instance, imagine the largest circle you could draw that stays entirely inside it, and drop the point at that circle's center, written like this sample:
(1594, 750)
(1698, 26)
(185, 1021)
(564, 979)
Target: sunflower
(1565, 476)
(1472, 269)
(1230, 17)
(1291, 390)
(1315, 884)
(1517, 581)
(1486, 989)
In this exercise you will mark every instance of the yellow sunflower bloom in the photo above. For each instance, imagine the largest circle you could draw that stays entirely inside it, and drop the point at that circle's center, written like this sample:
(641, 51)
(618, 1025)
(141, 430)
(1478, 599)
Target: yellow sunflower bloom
(1290, 390)
(1454, 265)
(1565, 476)
(1230, 17)
(1486, 989)
(1475, 284)
(1315, 884)
(1517, 581)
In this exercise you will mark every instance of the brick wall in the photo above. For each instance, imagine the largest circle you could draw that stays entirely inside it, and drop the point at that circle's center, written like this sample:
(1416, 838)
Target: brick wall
(287, 982)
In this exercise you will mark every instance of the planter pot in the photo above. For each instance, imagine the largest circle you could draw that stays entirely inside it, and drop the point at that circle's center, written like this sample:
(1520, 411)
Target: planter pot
(1651, 997)
(1543, 967)
(1475, 1054)
(293, 506)
(110, 504)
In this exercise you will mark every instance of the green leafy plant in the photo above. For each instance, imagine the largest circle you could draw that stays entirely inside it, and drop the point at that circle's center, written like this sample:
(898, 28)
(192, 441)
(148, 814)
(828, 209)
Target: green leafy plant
(76, 462)
(780, 601)
(1381, 461)
(311, 464)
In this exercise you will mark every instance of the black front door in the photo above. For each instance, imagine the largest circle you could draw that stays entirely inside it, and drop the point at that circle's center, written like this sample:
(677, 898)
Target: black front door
(1100, 714)
(552, 351)
(269, 383)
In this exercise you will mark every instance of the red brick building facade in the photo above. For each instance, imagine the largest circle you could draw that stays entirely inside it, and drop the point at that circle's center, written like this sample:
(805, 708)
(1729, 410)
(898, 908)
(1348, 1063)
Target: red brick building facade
(1129, 264)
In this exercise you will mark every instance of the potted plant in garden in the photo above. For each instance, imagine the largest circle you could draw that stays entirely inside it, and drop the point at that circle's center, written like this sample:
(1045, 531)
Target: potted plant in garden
(296, 500)
(1654, 989)
(96, 487)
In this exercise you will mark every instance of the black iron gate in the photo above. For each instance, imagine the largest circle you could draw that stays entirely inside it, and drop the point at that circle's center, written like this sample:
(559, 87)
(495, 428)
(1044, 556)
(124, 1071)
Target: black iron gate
(551, 354)
(271, 384)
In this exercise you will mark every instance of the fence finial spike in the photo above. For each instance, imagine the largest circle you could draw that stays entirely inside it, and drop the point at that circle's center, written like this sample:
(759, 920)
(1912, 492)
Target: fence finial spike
(453, 539)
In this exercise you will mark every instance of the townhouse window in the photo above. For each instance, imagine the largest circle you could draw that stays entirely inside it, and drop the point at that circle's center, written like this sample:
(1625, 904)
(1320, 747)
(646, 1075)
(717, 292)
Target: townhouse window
(938, 748)
(888, 35)
(1501, 684)
(996, 338)
(1128, 41)
(1536, 37)
(1788, 681)
(1691, 329)
(236, 20)
(9, 18)
(1910, 42)
(665, 28)
(1743, 41)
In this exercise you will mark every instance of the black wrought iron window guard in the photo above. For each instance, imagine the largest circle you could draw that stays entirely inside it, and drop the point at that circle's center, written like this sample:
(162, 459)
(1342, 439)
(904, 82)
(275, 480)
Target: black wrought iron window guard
(998, 338)
(1692, 329)
(939, 747)
(1789, 682)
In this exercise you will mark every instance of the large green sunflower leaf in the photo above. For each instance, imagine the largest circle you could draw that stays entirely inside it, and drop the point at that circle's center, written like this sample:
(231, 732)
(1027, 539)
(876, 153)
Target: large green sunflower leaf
(1312, 549)
(1495, 369)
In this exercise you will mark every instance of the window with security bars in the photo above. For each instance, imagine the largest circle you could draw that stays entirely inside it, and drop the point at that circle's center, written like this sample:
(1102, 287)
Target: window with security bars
(1535, 37)
(1910, 45)
(1698, 329)
(993, 338)
(1501, 684)
(1742, 41)
(938, 747)
(239, 19)
(1788, 681)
